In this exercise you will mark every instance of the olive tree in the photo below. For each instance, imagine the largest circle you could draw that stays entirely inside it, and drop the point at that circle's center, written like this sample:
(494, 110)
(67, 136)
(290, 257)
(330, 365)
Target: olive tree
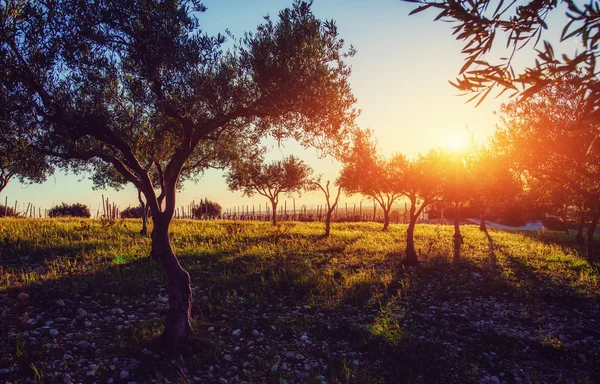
(125, 83)
(269, 179)
(368, 173)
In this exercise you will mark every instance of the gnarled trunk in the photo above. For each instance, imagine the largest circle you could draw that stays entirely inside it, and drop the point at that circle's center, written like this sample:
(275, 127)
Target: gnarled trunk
(144, 230)
(177, 326)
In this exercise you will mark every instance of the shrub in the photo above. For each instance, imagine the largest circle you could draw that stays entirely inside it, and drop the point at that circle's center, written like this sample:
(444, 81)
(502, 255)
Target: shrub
(6, 211)
(133, 213)
(207, 209)
(554, 224)
(69, 210)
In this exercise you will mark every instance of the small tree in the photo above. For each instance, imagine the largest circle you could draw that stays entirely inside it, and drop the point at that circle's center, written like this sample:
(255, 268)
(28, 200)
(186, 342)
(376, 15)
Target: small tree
(331, 197)
(19, 159)
(269, 180)
(208, 209)
(70, 210)
(370, 174)
(423, 185)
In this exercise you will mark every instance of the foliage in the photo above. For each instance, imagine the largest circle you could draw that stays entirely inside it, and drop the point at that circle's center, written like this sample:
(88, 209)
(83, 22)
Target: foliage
(480, 23)
(269, 179)
(6, 211)
(207, 209)
(69, 210)
(133, 212)
(368, 173)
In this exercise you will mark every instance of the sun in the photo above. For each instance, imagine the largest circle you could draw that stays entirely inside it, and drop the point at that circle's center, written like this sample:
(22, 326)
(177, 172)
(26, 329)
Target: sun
(455, 141)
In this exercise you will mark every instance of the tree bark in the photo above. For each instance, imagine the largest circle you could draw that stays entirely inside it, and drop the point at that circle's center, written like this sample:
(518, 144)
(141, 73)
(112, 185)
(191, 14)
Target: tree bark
(274, 218)
(386, 218)
(328, 222)
(590, 236)
(144, 230)
(579, 236)
(177, 325)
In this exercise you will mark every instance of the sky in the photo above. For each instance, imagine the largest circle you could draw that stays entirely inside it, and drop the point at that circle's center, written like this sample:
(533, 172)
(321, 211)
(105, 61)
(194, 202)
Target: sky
(399, 76)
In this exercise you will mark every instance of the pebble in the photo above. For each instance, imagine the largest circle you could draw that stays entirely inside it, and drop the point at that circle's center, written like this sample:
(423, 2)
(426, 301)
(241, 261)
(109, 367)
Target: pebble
(60, 302)
(211, 329)
(22, 296)
(53, 332)
(275, 367)
(124, 374)
(83, 344)
(304, 339)
(228, 357)
(3, 371)
(81, 312)
(236, 333)
(255, 333)
(222, 380)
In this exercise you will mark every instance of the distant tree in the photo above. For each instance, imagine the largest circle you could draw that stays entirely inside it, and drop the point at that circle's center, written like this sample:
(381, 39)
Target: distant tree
(493, 182)
(70, 210)
(269, 180)
(423, 185)
(126, 83)
(457, 184)
(6, 211)
(480, 23)
(368, 173)
(332, 197)
(133, 212)
(544, 138)
(208, 209)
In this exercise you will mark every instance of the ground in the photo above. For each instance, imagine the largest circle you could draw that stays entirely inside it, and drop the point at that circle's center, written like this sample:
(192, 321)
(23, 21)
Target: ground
(80, 301)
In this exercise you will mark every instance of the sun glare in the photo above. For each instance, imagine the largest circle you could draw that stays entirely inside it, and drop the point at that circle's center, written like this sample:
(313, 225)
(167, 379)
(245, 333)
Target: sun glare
(455, 141)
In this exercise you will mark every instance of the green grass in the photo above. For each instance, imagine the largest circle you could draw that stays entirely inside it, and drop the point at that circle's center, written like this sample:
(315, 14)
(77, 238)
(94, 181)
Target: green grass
(525, 287)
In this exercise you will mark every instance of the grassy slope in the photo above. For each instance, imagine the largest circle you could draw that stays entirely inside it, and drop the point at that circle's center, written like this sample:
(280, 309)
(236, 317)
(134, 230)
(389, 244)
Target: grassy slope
(515, 307)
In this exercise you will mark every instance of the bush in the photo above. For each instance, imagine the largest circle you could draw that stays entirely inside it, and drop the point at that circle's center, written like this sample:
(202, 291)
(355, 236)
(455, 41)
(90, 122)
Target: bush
(70, 210)
(6, 211)
(133, 213)
(554, 224)
(207, 209)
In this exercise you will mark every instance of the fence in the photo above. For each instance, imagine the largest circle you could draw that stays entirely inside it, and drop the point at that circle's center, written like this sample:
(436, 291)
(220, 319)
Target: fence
(356, 212)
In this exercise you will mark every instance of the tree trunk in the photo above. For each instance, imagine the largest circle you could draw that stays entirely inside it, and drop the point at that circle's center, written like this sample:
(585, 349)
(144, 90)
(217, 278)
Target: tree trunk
(328, 223)
(274, 218)
(386, 218)
(411, 254)
(144, 230)
(458, 238)
(177, 325)
(579, 236)
(482, 225)
(590, 237)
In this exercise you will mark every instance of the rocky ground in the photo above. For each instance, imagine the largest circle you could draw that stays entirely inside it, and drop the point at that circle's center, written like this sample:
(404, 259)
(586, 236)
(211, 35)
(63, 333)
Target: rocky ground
(281, 320)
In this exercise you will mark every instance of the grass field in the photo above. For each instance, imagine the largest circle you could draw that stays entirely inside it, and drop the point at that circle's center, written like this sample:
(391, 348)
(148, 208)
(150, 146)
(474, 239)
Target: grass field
(283, 304)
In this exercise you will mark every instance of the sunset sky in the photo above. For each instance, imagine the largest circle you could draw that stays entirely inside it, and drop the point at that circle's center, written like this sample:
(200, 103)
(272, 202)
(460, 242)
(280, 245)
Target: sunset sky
(400, 78)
